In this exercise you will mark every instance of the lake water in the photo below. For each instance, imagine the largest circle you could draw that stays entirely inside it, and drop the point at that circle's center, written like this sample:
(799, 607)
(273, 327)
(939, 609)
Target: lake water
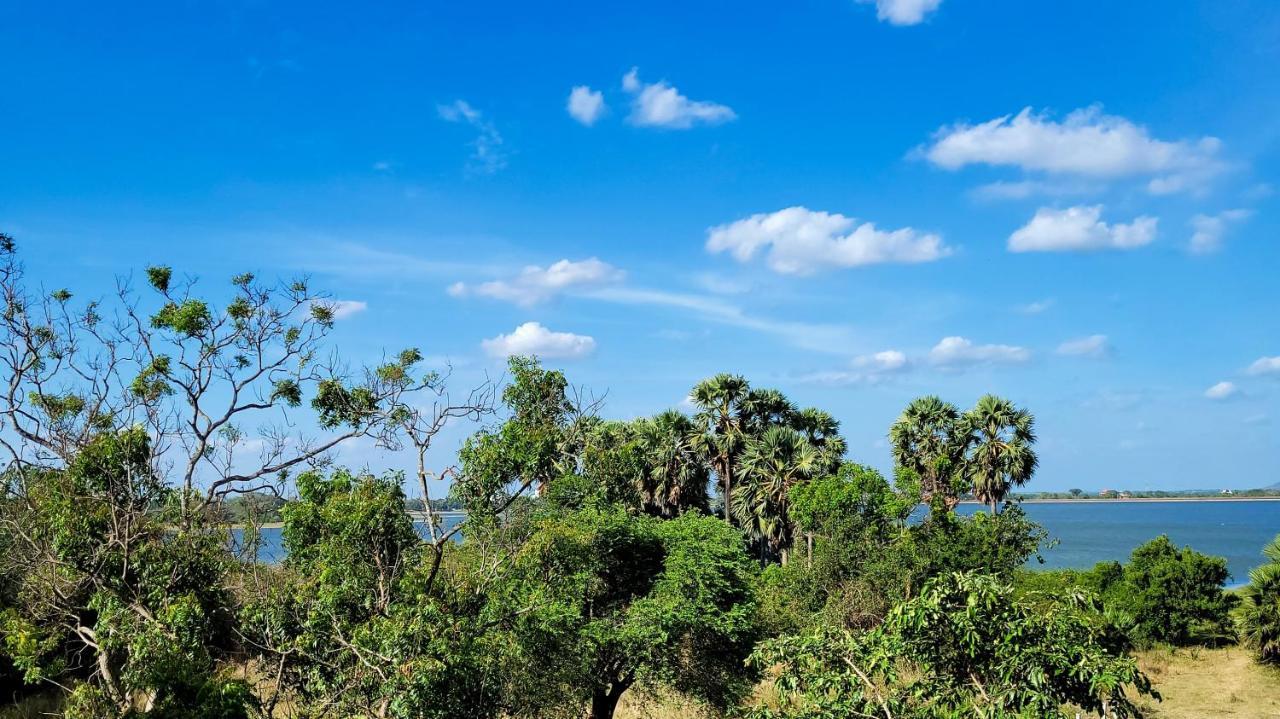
(1089, 532)
(1095, 531)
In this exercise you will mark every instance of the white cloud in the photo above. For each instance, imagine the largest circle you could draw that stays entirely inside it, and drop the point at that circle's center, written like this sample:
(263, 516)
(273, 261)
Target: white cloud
(801, 241)
(904, 12)
(1222, 390)
(342, 309)
(487, 156)
(537, 284)
(586, 105)
(1265, 365)
(1022, 189)
(531, 338)
(1080, 228)
(958, 352)
(1091, 346)
(1210, 229)
(1086, 143)
(805, 335)
(661, 105)
(881, 362)
(1035, 308)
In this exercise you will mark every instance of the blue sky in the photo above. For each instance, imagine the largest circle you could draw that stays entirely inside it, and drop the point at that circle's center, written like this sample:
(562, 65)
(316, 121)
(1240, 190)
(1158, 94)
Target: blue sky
(1070, 204)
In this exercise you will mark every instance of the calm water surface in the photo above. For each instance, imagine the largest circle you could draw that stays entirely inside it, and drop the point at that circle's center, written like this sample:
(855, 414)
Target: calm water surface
(1092, 532)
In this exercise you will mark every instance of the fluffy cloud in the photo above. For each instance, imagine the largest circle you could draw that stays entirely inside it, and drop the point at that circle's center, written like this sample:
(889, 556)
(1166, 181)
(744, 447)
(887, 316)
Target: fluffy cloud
(866, 369)
(1091, 346)
(801, 241)
(1210, 229)
(1265, 365)
(904, 12)
(1080, 228)
(531, 338)
(586, 105)
(953, 352)
(661, 105)
(1086, 143)
(537, 284)
(1222, 390)
(487, 156)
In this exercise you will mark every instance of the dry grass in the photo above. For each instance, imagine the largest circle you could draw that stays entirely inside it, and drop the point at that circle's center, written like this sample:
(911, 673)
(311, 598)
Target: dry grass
(1207, 683)
(1195, 683)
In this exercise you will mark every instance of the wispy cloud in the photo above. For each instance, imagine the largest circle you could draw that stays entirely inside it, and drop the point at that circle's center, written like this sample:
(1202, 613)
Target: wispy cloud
(1035, 308)
(864, 369)
(1221, 391)
(487, 155)
(903, 12)
(1209, 230)
(805, 335)
(1096, 346)
(536, 284)
(1264, 366)
(957, 352)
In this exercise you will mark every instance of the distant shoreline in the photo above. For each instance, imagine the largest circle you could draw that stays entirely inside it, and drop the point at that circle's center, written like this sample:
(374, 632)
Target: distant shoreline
(1099, 500)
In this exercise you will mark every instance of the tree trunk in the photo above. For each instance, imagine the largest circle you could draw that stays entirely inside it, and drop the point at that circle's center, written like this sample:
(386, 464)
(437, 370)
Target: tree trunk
(605, 702)
(728, 487)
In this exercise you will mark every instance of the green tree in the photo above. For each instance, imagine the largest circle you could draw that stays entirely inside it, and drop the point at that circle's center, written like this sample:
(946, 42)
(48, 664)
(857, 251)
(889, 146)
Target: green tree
(964, 647)
(675, 475)
(773, 464)
(629, 600)
(1000, 455)
(1171, 595)
(720, 401)
(823, 432)
(361, 620)
(111, 593)
(929, 440)
(208, 376)
(1259, 611)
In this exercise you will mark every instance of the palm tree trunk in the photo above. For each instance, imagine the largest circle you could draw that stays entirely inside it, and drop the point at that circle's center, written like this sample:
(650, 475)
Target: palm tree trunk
(727, 481)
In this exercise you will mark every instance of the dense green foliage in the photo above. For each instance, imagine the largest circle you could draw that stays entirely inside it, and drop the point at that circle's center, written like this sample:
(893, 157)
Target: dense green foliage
(1170, 595)
(965, 647)
(1259, 611)
(108, 593)
(597, 557)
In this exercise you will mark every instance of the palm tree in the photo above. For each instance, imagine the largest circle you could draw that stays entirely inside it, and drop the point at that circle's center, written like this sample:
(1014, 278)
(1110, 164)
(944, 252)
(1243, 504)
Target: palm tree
(765, 408)
(1259, 612)
(823, 432)
(720, 402)
(775, 462)
(1001, 456)
(675, 476)
(929, 439)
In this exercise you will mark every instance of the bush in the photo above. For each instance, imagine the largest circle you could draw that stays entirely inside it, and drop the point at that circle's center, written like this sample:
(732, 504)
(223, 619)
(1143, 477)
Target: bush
(1171, 595)
(966, 646)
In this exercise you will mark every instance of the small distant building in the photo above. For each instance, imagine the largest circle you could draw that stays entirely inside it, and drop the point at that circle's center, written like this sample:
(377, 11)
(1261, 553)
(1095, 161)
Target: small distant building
(1126, 495)
(1227, 492)
(1108, 493)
